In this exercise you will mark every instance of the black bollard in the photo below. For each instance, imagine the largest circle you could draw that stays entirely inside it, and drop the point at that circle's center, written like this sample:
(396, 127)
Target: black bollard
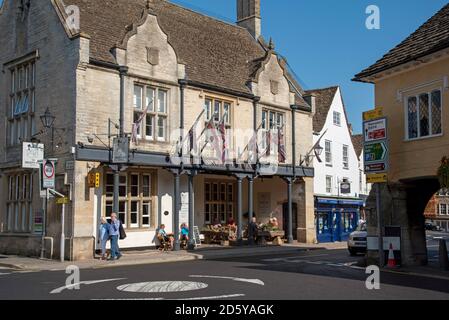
(444, 260)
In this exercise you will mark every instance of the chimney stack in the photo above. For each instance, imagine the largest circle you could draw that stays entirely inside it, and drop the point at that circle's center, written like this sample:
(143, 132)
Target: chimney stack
(248, 16)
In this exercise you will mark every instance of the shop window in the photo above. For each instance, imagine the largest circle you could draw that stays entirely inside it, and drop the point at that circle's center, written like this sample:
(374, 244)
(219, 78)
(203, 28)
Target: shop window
(219, 202)
(135, 199)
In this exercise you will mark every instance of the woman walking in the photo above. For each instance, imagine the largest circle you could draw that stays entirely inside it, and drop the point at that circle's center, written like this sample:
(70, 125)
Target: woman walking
(104, 237)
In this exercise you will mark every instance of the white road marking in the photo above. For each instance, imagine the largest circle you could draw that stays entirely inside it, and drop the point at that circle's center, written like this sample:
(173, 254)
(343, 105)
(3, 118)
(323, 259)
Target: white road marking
(215, 297)
(294, 257)
(162, 286)
(4, 274)
(189, 299)
(253, 281)
(60, 289)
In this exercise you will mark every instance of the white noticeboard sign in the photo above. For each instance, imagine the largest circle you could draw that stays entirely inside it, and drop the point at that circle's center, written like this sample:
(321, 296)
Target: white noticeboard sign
(32, 155)
(184, 212)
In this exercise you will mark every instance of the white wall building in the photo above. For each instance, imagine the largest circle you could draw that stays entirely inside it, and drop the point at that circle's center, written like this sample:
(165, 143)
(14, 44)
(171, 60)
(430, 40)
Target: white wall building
(337, 177)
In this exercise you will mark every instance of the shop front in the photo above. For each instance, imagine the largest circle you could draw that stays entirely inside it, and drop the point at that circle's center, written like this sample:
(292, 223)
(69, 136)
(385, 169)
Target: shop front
(336, 218)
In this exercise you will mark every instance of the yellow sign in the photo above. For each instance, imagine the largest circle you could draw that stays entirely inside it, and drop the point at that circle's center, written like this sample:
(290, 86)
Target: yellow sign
(91, 179)
(97, 180)
(373, 114)
(62, 201)
(377, 178)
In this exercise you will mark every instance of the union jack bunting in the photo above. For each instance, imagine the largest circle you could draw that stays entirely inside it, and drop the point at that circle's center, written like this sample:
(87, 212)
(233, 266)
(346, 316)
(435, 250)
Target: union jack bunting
(282, 153)
(136, 126)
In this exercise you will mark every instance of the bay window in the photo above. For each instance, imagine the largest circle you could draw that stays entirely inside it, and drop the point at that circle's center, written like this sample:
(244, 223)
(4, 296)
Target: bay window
(21, 117)
(151, 106)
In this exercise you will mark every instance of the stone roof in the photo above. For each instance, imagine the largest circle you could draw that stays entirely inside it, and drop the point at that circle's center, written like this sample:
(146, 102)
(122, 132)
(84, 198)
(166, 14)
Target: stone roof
(215, 53)
(357, 142)
(431, 37)
(324, 98)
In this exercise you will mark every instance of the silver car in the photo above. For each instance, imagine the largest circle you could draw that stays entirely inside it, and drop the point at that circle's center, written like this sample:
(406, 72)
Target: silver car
(357, 242)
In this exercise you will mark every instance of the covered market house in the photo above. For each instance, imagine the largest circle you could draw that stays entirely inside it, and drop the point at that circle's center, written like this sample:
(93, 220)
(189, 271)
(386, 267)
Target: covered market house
(132, 88)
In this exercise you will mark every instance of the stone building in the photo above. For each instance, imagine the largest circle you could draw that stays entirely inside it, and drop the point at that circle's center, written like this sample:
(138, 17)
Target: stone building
(165, 64)
(411, 84)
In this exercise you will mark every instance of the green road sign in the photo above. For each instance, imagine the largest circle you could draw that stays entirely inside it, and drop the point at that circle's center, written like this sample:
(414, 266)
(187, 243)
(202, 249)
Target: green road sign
(376, 152)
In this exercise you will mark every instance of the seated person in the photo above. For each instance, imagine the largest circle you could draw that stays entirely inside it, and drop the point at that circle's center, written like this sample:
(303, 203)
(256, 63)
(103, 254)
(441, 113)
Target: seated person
(167, 237)
(184, 232)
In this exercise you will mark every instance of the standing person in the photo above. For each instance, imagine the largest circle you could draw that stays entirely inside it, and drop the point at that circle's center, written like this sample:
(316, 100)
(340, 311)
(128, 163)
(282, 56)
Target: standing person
(253, 229)
(104, 237)
(114, 232)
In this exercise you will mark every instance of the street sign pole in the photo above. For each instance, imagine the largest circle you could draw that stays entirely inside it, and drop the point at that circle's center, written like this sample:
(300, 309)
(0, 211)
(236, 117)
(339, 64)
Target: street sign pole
(62, 233)
(44, 222)
(379, 226)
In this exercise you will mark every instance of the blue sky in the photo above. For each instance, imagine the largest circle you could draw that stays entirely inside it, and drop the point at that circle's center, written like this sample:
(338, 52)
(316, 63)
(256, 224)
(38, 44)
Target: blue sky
(326, 41)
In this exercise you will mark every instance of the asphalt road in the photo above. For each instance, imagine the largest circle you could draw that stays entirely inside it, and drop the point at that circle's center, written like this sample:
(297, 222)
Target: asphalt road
(304, 275)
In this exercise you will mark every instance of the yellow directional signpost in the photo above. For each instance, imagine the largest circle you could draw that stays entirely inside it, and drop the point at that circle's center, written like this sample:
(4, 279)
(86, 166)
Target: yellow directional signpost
(373, 114)
(377, 178)
(375, 134)
(62, 201)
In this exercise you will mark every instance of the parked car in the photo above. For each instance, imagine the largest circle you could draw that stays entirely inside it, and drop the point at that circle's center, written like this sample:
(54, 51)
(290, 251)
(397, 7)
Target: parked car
(432, 227)
(357, 242)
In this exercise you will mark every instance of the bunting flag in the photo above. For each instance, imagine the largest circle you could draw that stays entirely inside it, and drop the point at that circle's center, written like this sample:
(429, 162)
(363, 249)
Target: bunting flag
(253, 149)
(282, 153)
(136, 126)
(268, 140)
(224, 149)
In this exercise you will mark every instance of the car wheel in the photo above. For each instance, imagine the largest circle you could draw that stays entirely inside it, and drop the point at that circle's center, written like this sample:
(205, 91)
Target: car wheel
(352, 252)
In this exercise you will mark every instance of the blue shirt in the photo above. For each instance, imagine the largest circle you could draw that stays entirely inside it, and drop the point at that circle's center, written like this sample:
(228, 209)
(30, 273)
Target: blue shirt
(162, 232)
(104, 231)
(185, 231)
(114, 228)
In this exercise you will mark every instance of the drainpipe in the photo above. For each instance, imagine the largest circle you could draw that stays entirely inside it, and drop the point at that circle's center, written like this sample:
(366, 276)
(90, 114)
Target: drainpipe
(294, 108)
(123, 71)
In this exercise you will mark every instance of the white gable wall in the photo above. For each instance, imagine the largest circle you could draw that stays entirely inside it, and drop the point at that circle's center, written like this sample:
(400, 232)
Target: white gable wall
(339, 136)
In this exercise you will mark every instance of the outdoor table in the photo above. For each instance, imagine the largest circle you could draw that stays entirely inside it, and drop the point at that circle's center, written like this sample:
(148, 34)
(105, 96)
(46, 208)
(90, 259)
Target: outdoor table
(271, 236)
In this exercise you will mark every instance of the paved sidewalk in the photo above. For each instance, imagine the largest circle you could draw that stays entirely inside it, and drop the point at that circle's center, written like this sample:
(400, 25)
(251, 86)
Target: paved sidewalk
(154, 256)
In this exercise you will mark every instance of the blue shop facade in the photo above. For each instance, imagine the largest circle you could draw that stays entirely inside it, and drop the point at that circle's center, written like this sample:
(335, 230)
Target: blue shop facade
(336, 218)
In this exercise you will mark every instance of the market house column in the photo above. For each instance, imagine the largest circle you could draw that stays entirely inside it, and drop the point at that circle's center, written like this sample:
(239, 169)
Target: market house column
(239, 210)
(191, 244)
(289, 182)
(250, 208)
(176, 202)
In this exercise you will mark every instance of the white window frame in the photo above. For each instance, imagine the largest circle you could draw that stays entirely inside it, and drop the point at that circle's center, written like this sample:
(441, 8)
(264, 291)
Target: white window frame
(440, 211)
(406, 116)
(345, 150)
(337, 118)
(328, 153)
(329, 184)
(154, 112)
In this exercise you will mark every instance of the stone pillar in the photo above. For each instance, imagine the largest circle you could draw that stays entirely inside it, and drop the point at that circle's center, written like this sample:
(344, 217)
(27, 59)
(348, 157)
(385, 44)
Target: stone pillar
(250, 208)
(402, 205)
(176, 202)
(239, 211)
(304, 195)
(290, 210)
(191, 244)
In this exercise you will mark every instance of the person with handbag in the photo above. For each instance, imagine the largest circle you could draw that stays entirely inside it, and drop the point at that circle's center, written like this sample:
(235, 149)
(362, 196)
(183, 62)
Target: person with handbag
(114, 233)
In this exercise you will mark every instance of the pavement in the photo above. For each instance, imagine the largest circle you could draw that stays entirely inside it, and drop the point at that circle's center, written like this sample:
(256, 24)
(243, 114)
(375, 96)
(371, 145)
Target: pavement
(143, 257)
